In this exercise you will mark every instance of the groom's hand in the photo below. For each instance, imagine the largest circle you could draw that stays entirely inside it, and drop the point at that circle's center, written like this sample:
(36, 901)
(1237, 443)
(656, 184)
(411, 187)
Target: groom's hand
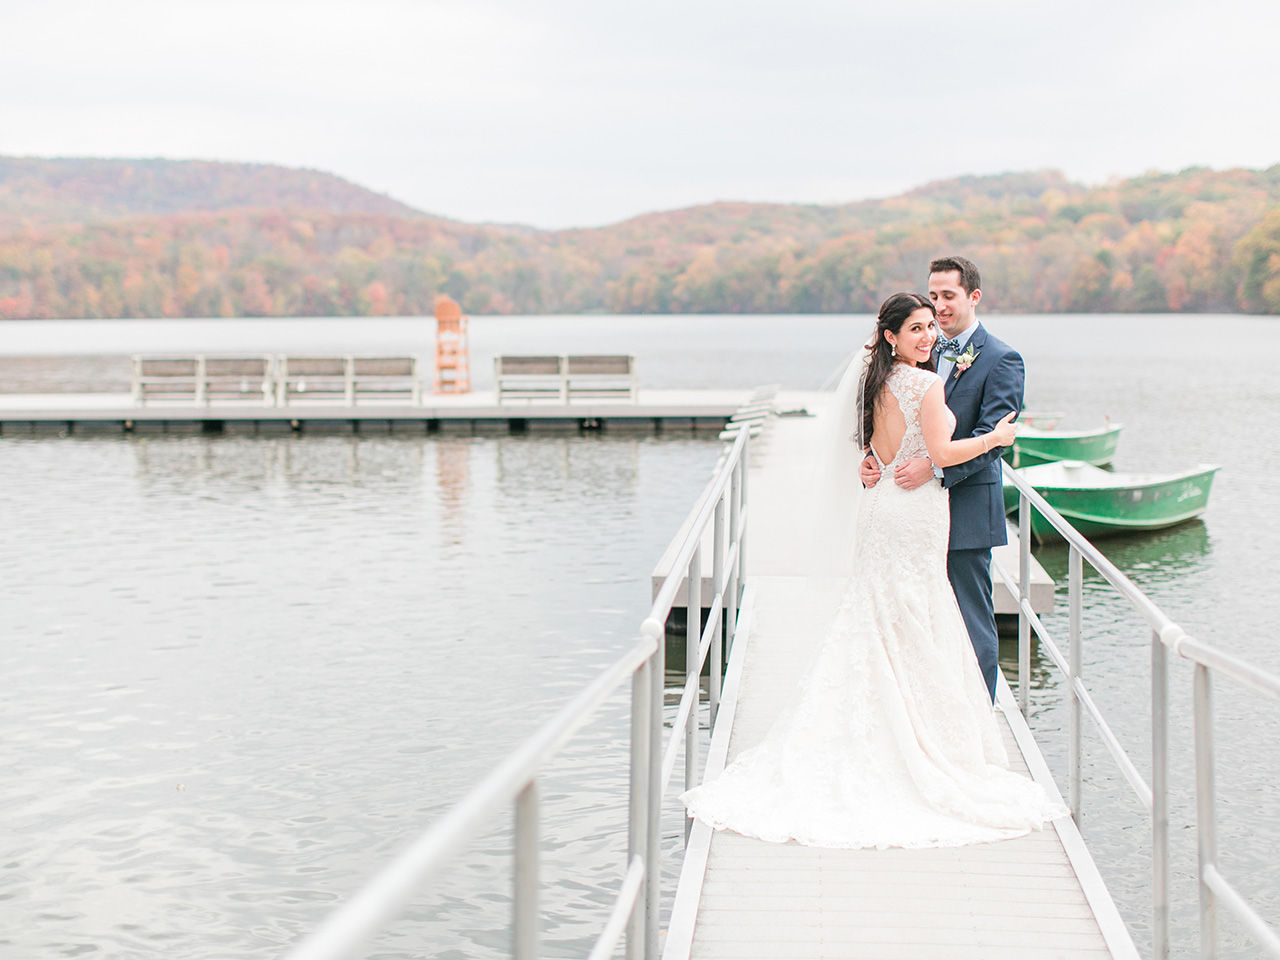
(913, 473)
(870, 472)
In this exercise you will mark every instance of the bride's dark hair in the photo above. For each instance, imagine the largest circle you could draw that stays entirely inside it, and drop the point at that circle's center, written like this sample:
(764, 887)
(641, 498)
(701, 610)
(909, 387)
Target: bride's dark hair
(893, 314)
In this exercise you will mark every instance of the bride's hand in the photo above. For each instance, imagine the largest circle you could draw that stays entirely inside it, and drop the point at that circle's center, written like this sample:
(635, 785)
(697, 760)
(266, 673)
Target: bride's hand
(1003, 434)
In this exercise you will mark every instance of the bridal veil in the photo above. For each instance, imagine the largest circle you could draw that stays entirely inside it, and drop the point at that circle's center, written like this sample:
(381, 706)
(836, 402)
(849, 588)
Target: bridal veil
(837, 487)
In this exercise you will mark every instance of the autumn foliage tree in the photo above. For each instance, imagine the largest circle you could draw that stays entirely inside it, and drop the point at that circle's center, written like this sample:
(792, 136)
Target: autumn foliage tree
(1258, 259)
(1195, 241)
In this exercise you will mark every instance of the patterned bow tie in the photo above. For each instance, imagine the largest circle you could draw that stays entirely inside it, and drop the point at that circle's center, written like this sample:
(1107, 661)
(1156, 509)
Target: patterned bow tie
(948, 346)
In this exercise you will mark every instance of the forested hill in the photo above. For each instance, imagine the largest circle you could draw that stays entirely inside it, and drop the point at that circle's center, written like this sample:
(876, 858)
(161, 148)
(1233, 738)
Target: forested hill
(77, 190)
(193, 239)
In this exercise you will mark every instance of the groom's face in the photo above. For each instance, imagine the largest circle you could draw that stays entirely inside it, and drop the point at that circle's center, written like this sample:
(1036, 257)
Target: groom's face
(954, 304)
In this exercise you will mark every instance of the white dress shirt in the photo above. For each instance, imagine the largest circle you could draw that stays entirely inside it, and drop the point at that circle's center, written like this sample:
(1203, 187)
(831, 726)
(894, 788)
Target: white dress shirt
(945, 367)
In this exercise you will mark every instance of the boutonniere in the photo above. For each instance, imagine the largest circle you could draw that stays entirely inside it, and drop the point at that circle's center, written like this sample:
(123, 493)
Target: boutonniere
(965, 360)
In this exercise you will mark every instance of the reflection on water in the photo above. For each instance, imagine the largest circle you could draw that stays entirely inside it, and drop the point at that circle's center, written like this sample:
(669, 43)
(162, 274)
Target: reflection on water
(244, 671)
(1160, 556)
(453, 476)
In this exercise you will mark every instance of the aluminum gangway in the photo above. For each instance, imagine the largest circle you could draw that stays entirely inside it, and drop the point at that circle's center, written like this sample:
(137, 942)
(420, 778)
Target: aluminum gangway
(743, 898)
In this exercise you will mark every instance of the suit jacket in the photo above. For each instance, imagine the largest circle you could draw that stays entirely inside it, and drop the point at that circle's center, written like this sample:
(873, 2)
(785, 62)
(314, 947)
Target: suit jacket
(979, 397)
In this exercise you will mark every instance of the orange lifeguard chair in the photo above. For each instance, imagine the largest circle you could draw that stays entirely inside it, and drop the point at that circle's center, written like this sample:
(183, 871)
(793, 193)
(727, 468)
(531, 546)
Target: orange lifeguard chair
(453, 357)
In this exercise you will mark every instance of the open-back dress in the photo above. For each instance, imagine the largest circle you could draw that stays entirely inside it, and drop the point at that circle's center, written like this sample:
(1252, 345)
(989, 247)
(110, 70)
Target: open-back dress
(889, 739)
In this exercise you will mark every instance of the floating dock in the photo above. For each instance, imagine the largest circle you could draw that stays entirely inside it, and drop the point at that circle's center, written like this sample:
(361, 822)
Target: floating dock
(97, 414)
(1037, 896)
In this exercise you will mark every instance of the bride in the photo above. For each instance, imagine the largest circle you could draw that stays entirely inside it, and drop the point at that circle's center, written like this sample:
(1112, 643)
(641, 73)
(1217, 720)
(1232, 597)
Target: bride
(889, 739)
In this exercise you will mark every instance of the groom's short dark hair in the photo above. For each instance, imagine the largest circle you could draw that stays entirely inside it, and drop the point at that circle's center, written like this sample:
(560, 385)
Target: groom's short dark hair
(969, 278)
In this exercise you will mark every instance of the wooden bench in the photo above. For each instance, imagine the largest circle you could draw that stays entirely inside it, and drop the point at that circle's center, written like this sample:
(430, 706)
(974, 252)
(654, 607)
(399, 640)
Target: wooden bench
(387, 378)
(529, 378)
(601, 377)
(278, 380)
(202, 379)
(347, 379)
(565, 378)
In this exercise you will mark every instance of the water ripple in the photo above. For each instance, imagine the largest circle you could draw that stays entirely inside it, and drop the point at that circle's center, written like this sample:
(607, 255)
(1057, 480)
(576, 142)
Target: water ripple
(244, 672)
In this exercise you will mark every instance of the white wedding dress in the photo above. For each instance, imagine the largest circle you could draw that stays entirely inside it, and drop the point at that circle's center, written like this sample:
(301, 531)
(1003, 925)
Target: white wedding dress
(889, 739)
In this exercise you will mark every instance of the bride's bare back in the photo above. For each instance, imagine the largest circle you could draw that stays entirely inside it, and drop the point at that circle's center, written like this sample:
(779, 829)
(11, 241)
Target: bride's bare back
(896, 420)
(889, 426)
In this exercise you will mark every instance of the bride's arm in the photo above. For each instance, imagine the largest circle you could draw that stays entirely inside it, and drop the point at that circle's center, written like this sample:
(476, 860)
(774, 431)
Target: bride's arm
(936, 426)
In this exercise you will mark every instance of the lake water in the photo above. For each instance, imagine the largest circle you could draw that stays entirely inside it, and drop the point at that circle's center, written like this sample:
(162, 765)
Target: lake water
(242, 672)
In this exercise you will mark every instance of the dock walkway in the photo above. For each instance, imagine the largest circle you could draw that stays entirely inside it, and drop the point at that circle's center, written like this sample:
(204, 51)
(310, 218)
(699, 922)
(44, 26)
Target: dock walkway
(1038, 896)
(105, 413)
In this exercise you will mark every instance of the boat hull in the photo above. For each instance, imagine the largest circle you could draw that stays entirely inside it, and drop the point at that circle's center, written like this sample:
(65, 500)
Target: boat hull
(1099, 503)
(1032, 447)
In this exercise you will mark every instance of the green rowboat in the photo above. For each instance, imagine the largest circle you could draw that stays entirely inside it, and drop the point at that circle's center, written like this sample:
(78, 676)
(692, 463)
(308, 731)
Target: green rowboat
(1101, 503)
(1032, 446)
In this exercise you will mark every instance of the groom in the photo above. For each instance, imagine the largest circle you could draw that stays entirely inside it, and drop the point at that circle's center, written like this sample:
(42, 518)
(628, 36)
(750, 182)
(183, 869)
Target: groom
(983, 380)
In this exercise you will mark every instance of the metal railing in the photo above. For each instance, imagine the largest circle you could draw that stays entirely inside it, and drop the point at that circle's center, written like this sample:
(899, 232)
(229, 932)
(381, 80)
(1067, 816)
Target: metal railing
(636, 910)
(1166, 637)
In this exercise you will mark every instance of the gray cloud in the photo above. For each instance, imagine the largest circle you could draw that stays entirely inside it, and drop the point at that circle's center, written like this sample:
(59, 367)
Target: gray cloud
(569, 113)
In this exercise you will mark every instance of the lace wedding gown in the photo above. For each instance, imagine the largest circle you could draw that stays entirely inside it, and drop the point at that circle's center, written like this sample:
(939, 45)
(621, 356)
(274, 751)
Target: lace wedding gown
(889, 739)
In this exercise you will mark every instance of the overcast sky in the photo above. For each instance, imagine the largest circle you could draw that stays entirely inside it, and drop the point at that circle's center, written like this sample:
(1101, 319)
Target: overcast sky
(566, 113)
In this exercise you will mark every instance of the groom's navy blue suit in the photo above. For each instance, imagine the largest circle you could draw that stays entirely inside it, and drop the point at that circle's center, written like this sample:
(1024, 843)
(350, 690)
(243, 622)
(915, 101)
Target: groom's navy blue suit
(979, 397)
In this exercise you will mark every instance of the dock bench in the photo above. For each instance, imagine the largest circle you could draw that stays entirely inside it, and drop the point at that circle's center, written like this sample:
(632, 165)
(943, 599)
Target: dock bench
(347, 379)
(276, 380)
(565, 378)
(202, 379)
(529, 378)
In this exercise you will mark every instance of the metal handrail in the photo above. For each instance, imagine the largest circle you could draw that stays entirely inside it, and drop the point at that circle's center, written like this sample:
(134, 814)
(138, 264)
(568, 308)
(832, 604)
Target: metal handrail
(513, 783)
(725, 502)
(382, 899)
(1166, 636)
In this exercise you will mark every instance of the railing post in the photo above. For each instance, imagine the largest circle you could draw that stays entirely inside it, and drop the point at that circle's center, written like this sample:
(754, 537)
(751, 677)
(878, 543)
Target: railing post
(692, 668)
(1024, 594)
(742, 497)
(653, 832)
(638, 818)
(1206, 828)
(718, 586)
(526, 874)
(735, 532)
(1075, 606)
(1159, 798)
